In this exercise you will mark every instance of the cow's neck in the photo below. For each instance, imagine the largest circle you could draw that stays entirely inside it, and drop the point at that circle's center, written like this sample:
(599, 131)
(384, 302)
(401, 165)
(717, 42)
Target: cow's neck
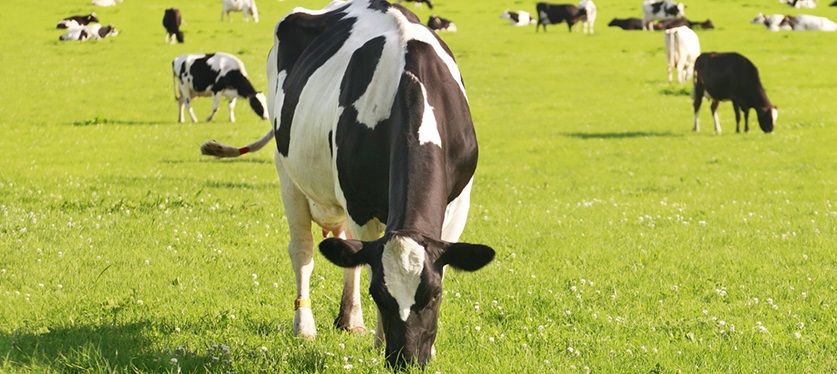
(417, 191)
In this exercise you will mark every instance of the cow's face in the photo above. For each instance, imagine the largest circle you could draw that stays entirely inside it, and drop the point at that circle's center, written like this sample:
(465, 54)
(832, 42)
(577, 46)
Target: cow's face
(767, 118)
(259, 104)
(406, 284)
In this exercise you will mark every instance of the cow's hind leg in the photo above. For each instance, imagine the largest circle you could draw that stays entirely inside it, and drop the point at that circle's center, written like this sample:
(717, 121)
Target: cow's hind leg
(697, 97)
(231, 106)
(746, 120)
(301, 251)
(714, 108)
(216, 101)
(737, 110)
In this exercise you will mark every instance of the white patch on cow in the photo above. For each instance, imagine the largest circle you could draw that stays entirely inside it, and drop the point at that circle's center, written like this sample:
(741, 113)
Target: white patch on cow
(403, 261)
(428, 131)
(375, 104)
(774, 112)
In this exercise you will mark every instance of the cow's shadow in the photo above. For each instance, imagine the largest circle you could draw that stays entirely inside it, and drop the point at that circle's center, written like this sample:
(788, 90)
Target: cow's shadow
(622, 135)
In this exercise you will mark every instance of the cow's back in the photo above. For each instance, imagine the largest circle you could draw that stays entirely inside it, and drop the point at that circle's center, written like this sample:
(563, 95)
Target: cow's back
(728, 76)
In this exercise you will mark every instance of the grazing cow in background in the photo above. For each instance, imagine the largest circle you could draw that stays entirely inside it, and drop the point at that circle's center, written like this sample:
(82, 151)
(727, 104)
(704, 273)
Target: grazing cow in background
(659, 10)
(518, 18)
(93, 31)
(77, 21)
(588, 18)
(418, 3)
(215, 74)
(682, 49)
(804, 22)
(774, 22)
(437, 23)
(626, 23)
(246, 6)
(106, 2)
(553, 14)
(171, 21)
(810, 4)
(731, 76)
(374, 136)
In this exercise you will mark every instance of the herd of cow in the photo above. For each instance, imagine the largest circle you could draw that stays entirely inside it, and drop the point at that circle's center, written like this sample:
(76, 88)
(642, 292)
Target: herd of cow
(375, 142)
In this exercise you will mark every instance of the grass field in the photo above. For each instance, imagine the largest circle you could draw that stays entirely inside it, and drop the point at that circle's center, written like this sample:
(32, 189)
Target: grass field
(626, 242)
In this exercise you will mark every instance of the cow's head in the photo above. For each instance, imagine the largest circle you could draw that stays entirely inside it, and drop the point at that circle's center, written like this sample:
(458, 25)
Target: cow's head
(681, 10)
(767, 118)
(254, 11)
(259, 104)
(406, 284)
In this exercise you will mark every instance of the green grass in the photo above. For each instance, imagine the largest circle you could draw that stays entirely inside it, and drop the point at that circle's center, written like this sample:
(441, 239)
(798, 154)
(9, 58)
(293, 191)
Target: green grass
(626, 242)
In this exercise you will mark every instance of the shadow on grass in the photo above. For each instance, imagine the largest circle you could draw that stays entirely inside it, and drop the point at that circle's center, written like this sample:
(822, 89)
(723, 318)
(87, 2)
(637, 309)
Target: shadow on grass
(676, 91)
(237, 160)
(94, 349)
(110, 121)
(622, 135)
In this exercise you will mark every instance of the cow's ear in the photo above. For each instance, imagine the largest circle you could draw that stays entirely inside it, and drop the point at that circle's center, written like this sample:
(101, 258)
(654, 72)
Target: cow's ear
(468, 257)
(343, 253)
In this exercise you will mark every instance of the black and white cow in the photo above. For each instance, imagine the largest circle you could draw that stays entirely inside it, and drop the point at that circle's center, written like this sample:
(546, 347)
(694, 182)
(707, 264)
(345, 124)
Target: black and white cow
(518, 17)
(626, 23)
(805, 22)
(731, 76)
(773, 22)
(92, 31)
(77, 21)
(440, 24)
(588, 17)
(374, 136)
(553, 14)
(418, 2)
(215, 74)
(810, 4)
(658, 10)
(171, 21)
(248, 7)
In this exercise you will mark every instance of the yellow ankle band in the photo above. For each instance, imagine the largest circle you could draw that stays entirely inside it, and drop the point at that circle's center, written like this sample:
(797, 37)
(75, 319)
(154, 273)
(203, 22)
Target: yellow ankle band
(302, 303)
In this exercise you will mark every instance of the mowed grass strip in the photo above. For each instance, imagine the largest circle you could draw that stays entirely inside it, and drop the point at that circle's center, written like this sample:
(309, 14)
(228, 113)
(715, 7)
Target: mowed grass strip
(626, 242)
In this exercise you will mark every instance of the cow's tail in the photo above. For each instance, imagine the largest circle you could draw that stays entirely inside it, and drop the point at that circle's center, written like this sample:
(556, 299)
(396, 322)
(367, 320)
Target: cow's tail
(177, 94)
(213, 148)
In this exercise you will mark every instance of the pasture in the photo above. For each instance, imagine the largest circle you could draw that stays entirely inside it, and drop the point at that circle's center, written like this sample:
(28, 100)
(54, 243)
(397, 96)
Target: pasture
(625, 241)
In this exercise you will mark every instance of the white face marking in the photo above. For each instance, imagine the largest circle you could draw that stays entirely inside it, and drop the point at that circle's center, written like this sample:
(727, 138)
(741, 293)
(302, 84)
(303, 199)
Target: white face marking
(775, 114)
(403, 260)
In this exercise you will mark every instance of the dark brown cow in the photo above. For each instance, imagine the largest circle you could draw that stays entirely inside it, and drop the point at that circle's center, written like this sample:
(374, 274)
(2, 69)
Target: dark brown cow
(171, 21)
(682, 21)
(76, 21)
(706, 25)
(553, 14)
(731, 76)
(627, 23)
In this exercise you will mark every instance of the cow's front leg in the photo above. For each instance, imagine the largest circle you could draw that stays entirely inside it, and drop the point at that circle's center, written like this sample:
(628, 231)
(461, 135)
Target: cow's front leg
(301, 251)
(350, 317)
(216, 101)
(714, 108)
(746, 120)
(181, 104)
(231, 106)
(191, 111)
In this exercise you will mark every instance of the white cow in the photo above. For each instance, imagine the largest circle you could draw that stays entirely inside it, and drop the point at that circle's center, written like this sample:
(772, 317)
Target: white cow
(92, 31)
(589, 15)
(810, 4)
(773, 22)
(804, 22)
(682, 49)
(518, 18)
(659, 10)
(246, 6)
(106, 2)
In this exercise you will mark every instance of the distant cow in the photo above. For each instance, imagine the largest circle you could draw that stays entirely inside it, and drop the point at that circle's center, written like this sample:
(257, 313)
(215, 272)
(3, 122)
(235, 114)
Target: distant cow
(804, 22)
(626, 23)
(553, 14)
(672, 23)
(171, 21)
(833, 4)
(246, 6)
(658, 10)
(106, 2)
(92, 31)
(810, 4)
(682, 49)
(588, 18)
(774, 22)
(731, 76)
(705, 25)
(440, 24)
(418, 2)
(215, 74)
(518, 18)
(77, 21)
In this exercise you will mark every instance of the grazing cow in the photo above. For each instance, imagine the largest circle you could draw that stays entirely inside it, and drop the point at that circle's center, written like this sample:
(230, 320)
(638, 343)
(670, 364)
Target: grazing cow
(810, 4)
(804, 22)
(418, 2)
(774, 22)
(658, 10)
(682, 49)
(93, 31)
(246, 6)
(106, 2)
(588, 18)
(731, 76)
(374, 135)
(171, 21)
(437, 23)
(518, 18)
(77, 21)
(626, 23)
(215, 74)
(553, 14)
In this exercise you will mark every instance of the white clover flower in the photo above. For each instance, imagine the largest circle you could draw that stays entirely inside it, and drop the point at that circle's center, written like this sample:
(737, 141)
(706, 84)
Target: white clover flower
(173, 361)
(477, 328)
(139, 302)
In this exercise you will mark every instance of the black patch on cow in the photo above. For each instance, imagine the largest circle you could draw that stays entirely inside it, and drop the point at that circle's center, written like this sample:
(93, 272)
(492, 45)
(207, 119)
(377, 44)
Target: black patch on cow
(104, 31)
(330, 143)
(234, 79)
(295, 34)
(256, 105)
(410, 16)
(655, 7)
(514, 17)
(379, 5)
(82, 35)
(202, 75)
(361, 68)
